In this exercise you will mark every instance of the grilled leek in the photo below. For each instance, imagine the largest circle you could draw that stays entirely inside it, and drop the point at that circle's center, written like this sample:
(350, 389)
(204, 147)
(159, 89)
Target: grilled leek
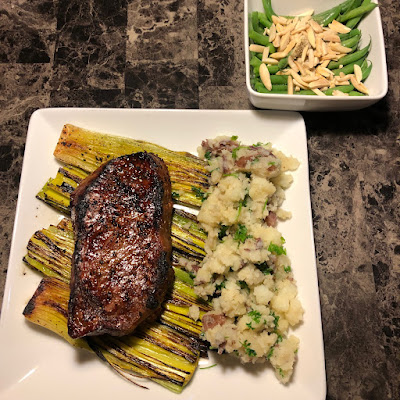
(154, 351)
(87, 150)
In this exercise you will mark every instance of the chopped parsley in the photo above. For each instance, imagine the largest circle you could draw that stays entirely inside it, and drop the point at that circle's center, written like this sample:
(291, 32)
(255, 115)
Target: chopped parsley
(270, 352)
(255, 316)
(222, 232)
(283, 241)
(235, 150)
(242, 203)
(288, 268)
(207, 155)
(234, 137)
(249, 351)
(175, 195)
(249, 326)
(241, 234)
(243, 285)
(280, 338)
(265, 204)
(255, 160)
(264, 268)
(232, 174)
(271, 163)
(278, 250)
(281, 373)
(199, 193)
(220, 285)
(276, 319)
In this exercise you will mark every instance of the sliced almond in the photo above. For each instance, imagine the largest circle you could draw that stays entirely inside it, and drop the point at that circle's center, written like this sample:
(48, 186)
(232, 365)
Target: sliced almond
(339, 93)
(277, 41)
(340, 49)
(298, 84)
(266, 32)
(272, 33)
(271, 61)
(358, 73)
(338, 27)
(330, 36)
(290, 85)
(265, 76)
(319, 83)
(318, 92)
(324, 71)
(309, 78)
(297, 78)
(311, 36)
(318, 46)
(257, 48)
(304, 53)
(311, 58)
(265, 54)
(300, 67)
(316, 26)
(358, 85)
(284, 41)
(279, 55)
(292, 64)
(325, 63)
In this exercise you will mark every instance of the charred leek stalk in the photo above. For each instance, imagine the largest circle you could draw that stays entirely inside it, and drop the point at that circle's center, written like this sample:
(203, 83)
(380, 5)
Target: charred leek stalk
(154, 351)
(187, 236)
(165, 351)
(50, 252)
(87, 150)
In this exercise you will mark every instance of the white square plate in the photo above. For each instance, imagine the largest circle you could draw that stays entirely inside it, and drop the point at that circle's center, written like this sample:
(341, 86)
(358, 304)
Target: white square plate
(37, 364)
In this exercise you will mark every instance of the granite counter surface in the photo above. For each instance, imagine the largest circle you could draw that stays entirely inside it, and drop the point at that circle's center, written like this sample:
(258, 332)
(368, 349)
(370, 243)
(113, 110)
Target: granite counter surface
(189, 54)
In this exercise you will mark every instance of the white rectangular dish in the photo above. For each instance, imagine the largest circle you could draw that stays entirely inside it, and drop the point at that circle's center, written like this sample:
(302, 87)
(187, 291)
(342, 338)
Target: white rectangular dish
(377, 82)
(37, 364)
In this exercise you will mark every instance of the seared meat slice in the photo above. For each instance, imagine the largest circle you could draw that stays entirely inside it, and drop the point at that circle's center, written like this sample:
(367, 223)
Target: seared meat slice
(121, 266)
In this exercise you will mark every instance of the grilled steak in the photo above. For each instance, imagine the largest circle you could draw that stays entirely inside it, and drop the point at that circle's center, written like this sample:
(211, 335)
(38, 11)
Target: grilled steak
(121, 265)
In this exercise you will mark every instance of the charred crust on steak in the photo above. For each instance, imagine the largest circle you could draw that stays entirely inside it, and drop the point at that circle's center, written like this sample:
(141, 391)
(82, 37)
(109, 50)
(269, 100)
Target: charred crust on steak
(122, 260)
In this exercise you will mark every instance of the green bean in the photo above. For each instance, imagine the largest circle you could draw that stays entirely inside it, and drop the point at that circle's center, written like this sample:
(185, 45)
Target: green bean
(355, 93)
(349, 68)
(366, 71)
(319, 17)
(255, 62)
(353, 22)
(279, 79)
(353, 41)
(306, 92)
(273, 69)
(269, 12)
(264, 21)
(351, 6)
(357, 12)
(261, 39)
(344, 89)
(283, 63)
(350, 58)
(352, 33)
(330, 17)
(255, 23)
(278, 89)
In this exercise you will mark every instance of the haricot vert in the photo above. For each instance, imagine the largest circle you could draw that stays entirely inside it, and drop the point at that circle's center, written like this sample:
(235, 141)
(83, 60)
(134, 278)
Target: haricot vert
(310, 54)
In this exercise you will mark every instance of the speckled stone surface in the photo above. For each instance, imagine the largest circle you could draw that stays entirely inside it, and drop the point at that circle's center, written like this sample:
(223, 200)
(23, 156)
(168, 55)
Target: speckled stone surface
(189, 54)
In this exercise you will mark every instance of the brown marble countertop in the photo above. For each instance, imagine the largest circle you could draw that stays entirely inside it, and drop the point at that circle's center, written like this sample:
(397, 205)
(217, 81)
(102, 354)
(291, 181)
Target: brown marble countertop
(189, 54)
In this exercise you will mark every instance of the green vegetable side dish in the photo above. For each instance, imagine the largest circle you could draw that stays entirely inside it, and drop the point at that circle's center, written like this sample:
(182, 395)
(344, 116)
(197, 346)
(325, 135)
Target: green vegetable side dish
(310, 54)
